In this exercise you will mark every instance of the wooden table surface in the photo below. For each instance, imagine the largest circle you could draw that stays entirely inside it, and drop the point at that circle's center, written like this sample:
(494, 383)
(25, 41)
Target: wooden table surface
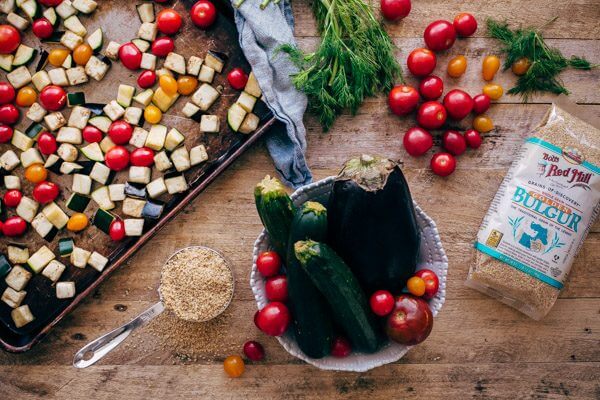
(478, 347)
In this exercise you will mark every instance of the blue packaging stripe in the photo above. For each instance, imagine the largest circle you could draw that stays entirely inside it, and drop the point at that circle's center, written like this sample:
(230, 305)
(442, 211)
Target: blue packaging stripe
(595, 169)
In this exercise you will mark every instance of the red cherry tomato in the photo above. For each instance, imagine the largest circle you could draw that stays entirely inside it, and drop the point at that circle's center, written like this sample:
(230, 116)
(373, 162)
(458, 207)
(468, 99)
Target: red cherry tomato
(53, 98)
(42, 28)
(142, 157)
(203, 14)
(9, 114)
(458, 104)
(454, 142)
(46, 143)
(12, 198)
(117, 158)
(465, 24)
(439, 35)
(162, 46)
(341, 347)
(237, 78)
(116, 230)
(417, 141)
(254, 350)
(268, 263)
(130, 56)
(14, 226)
(431, 87)
(382, 302)
(168, 21)
(91, 134)
(45, 192)
(481, 103)
(431, 115)
(394, 10)
(146, 79)
(421, 62)
(7, 93)
(50, 3)
(403, 99)
(10, 39)
(432, 283)
(6, 133)
(120, 132)
(273, 319)
(276, 288)
(473, 138)
(443, 164)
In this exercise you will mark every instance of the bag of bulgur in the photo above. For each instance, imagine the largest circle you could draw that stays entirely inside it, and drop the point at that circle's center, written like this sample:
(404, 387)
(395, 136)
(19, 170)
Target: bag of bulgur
(540, 216)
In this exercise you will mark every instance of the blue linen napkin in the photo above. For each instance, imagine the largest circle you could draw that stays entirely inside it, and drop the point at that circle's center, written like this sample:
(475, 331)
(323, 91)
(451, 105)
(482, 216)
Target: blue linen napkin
(261, 32)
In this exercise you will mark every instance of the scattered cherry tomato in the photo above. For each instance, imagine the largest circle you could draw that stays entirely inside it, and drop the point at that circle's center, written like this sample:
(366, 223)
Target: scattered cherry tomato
(6, 133)
(489, 67)
(46, 143)
(14, 226)
(457, 66)
(117, 158)
(421, 62)
(234, 366)
(431, 115)
(168, 84)
(130, 56)
(254, 350)
(417, 141)
(203, 14)
(7, 93)
(120, 132)
(82, 54)
(394, 10)
(268, 263)
(521, 66)
(482, 123)
(91, 134)
(26, 96)
(152, 114)
(116, 230)
(142, 157)
(473, 138)
(45, 192)
(77, 222)
(162, 46)
(382, 302)
(341, 347)
(481, 103)
(439, 35)
(57, 57)
(273, 319)
(454, 142)
(416, 286)
(168, 21)
(237, 78)
(432, 283)
(12, 198)
(465, 24)
(9, 114)
(50, 3)
(186, 84)
(458, 104)
(10, 39)
(493, 91)
(431, 87)
(42, 28)
(36, 173)
(276, 288)
(146, 79)
(403, 99)
(53, 98)
(443, 164)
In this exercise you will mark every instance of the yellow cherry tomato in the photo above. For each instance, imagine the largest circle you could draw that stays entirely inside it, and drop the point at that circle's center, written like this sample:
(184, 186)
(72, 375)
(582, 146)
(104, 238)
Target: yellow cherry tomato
(36, 173)
(77, 222)
(457, 66)
(57, 56)
(493, 90)
(483, 123)
(26, 96)
(416, 286)
(491, 65)
(168, 84)
(82, 54)
(152, 114)
(521, 66)
(186, 85)
(234, 366)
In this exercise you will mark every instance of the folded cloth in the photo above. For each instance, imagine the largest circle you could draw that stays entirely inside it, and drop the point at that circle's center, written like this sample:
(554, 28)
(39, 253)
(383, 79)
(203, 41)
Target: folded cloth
(261, 32)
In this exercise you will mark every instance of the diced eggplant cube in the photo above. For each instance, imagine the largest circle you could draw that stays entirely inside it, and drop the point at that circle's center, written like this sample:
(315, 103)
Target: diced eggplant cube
(181, 159)
(134, 226)
(175, 62)
(113, 110)
(193, 65)
(133, 207)
(38, 260)
(21, 141)
(116, 192)
(21, 316)
(81, 184)
(207, 74)
(42, 226)
(31, 156)
(162, 161)
(17, 255)
(173, 140)
(198, 155)
(54, 270)
(148, 61)
(71, 40)
(176, 184)
(112, 50)
(67, 152)
(145, 97)
(96, 68)
(156, 137)
(205, 96)
(65, 9)
(79, 257)
(133, 115)
(138, 138)
(214, 60)
(55, 120)
(189, 109)
(152, 210)
(19, 77)
(68, 134)
(17, 21)
(12, 182)
(148, 32)
(135, 190)
(97, 261)
(58, 76)
(18, 277)
(85, 6)
(9, 160)
(140, 174)
(146, 12)
(65, 290)
(36, 112)
(250, 123)
(163, 71)
(68, 168)
(156, 188)
(12, 297)
(55, 215)
(74, 25)
(76, 76)
(27, 208)
(40, 80)
(209, 124)
(79, 117)
(100, 173)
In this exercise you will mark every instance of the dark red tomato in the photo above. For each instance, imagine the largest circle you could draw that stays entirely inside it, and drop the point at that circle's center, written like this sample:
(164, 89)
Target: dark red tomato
(116, 230)
(91, 134)
(168, 21)
(421, 62)
(7, 93)
(254, 350)
(273, 319)
(14, 226)
(382, 302)
(341, 347)
(120, 132)
(42, 28)
(9, 114)
(481, 103)
(432, 283)
(439, 35)
(45, 192)
(237, 78)
(417, 141)
(203, 14)
(276, 288)
(6, 133)
(46, 143)
(50, 3)
(12, 197)
(10, 39)
(130, 56)
(403, 99)
(465, 24)
(443, 164)
(458, 104)
(454, 142)
(431, 115)
(394, 10)
(473, 138)
(146, 79)
(142, 157)
(431, 87)
(117, 158)
(268, 263)
(163, 46)
(53, 98)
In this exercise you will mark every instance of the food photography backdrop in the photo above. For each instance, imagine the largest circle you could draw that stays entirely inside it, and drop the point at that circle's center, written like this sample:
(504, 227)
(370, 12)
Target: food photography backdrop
(478, 347)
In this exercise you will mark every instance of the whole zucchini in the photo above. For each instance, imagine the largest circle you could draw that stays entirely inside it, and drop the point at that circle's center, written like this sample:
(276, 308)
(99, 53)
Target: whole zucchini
(372, 223)
(347, 300)
(310, 312)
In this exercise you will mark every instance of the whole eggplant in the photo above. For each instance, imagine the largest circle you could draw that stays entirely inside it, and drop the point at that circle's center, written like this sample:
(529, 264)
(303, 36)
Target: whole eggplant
(372, 223)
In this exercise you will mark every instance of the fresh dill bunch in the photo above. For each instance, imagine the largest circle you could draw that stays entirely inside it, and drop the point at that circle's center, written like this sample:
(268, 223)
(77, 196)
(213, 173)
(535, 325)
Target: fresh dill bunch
(546, 62)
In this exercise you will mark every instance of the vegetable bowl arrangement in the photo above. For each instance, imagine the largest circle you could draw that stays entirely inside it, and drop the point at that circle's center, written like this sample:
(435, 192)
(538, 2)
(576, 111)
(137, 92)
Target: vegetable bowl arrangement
(349, 272)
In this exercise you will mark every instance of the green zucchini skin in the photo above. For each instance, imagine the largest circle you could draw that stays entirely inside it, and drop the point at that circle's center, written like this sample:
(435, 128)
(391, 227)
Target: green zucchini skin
(310, 313)
(340, 287)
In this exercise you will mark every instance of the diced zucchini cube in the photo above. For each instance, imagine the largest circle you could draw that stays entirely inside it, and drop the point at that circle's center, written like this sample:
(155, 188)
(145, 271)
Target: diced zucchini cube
(163, 71)
(162, 161)
(156, 188)
(205, 96)
(55, 120)
(19, 77)
(71, 40)
(125, 94)
(67, 152)
(148, 32)
(55, 215)
(100, 173)
(12, 182)
(40, 80)
(138, 138)
(17, 255)
(162, 100)
(101, 122)
(102, 198)
(17, 21)
(18, 277)
(175, 62)
(85, 6)
(134, 226)
(9, 160)
(141, 44)
(79, 117)
(133, 207)
(65, 9)
(68, 134)
(80, 257)
(252, 87)
(36, 112)
(140, 174)
(38, 260)
(193, 65)
(112, 50)
(54, 270)
(97, 261)
(106, 144)
(68, 168)
(133, 115)
(209, 124)
(31, 156)
(198, 155)
(21, 141)
(82, 184)
(74, 25)
(76, 76)
(58, 76)
(65, 290)
(96, 68)
(27, 208)
(42, 226)
(181, 159)
(12, 297)
(93, 151)
(207, 74)
(145, 97)
(21, 316)
(77, 202)
(113, 110)
(247, 101)
(148, 61)
(116, 191)
(156, 137)
(189, 109)
(176, 184)
(173, 140)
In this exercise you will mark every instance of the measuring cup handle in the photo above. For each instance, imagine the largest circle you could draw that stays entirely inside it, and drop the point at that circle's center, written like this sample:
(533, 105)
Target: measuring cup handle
(95, 350)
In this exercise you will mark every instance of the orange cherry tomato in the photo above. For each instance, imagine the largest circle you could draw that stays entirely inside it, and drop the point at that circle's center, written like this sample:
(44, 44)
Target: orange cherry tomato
(457, 66)
(168, 84)
(483, 123)
(152, 114)
(186, 85)
(36, 173)
(493, 90)
(57, 56)
(82, 54)
(491, 65)
(234, 366)
(521, 66)
(26, 96)
(77, 222)
(416, 286)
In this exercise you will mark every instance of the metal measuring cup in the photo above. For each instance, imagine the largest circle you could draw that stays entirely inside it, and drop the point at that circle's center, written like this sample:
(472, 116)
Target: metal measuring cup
(97, 349)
